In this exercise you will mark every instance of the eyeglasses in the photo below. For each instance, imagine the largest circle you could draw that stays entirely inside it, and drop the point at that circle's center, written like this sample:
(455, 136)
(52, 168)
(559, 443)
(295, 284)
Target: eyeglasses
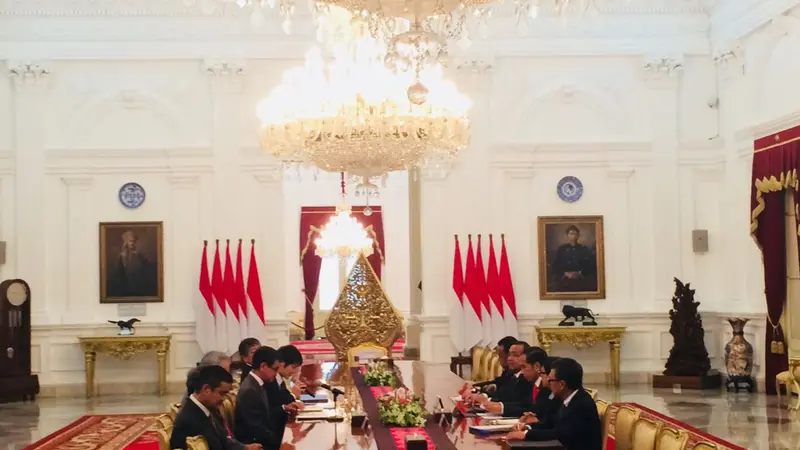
(550, 380)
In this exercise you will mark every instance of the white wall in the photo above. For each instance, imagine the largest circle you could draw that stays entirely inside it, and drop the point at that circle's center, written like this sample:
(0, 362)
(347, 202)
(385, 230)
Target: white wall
(163, 105)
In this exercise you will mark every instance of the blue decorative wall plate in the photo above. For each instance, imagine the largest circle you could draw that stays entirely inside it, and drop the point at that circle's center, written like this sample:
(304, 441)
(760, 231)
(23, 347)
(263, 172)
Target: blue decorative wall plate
(131, 195)
(569, 189)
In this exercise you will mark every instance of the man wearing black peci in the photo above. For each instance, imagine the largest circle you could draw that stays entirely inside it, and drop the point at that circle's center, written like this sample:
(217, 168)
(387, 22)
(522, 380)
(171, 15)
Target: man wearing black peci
(254, 417)
(502, 349)
(199, 416)
(546, 405)
(526, 387)
(577, 424)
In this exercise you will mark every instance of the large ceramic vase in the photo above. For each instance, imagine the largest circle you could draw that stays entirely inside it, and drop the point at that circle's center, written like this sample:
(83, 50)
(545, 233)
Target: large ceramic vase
(738, 352)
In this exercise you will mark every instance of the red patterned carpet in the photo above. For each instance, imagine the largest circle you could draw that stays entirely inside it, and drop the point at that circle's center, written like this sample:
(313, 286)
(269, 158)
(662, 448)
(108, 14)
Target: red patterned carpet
(102, 432)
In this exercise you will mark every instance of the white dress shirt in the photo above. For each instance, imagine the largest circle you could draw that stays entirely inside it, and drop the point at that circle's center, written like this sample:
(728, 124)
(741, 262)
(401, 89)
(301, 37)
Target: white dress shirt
(569, 399)
(200, 405)
(258, 379)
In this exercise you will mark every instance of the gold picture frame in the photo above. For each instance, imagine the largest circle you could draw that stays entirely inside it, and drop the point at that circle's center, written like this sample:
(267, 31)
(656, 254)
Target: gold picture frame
(571, 258)
(131, 262)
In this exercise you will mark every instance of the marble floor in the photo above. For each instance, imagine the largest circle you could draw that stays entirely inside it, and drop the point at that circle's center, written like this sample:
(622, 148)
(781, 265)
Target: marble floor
(754, 421)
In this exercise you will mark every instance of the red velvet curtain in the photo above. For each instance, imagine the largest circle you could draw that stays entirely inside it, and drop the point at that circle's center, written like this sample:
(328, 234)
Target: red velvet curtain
(776, 161)
(312, 219)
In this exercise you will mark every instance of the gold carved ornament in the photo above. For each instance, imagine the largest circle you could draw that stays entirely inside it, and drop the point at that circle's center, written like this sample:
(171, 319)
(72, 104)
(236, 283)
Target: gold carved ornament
(124, 348)
(579, 339)
(363, 313)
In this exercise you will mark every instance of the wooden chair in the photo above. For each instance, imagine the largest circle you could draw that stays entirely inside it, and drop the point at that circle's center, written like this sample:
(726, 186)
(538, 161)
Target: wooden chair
(592, 392)
(163, 422)
(366, 352)
(196, 443)
(645, 434)
(705, 446)
(173, 410)
(477, 357)
(625, 420)
(602, 406)
(163, 436)
(671, 439)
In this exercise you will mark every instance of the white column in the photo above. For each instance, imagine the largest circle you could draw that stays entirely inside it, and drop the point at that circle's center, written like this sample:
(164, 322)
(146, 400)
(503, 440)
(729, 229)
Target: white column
(619, 229)
(416, 300)
(662, 76)
(269, 235)
(182, 262)
(744, 273)
(27, 255)
(227, 83)
(80, 266)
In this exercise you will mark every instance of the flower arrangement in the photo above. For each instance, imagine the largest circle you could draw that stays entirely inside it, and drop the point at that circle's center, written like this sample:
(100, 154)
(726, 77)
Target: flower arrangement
(379, 375)
(400, 408)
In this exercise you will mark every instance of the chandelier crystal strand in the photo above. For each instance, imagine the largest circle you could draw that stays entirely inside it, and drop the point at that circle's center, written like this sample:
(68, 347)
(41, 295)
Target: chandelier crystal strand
(343, 235)
(355, 115)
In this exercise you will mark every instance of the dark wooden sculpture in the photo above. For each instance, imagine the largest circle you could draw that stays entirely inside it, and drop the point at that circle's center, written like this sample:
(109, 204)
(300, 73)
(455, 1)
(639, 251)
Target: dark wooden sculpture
(577, 314)
(688, 364)
(128, 326)
(16, 381)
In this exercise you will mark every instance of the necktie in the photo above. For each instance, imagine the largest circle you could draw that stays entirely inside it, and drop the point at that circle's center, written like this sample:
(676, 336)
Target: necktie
(535, 392)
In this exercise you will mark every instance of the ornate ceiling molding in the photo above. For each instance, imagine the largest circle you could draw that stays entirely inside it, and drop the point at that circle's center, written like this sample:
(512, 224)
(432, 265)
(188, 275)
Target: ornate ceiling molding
(172, 8)
(733, 20)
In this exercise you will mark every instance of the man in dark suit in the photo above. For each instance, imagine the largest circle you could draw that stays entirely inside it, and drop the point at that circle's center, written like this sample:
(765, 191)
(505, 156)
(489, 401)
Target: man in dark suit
(503, 349)
(508, 391)
(546, 405)
(525, 390)
(577, 425)
(245, 351)
(254, 418)
(282, 394)
(198, 416)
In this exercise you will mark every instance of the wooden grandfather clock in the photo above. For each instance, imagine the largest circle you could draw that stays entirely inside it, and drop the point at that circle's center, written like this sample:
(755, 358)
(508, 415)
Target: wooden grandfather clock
(16, 381)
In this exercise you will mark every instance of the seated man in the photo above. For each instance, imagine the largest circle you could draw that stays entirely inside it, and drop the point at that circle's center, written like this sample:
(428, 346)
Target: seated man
(526, 389)
(508, 390)
(197, 416)
(212, 358)
(503, 348)
(546, 406)
(246, 349)
(577, 425)
(283, 399)
(255, 422)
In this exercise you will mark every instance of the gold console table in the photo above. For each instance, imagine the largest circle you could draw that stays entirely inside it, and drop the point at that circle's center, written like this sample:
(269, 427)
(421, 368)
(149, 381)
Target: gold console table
(124, 348)
(583, 337)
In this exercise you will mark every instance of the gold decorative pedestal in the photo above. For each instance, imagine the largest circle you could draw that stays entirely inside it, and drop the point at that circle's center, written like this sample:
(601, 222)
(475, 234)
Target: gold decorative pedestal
(582, 337)
(124, 348)
(363, 316)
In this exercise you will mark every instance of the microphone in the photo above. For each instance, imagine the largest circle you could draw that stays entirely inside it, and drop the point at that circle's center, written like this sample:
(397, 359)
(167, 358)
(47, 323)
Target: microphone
(332, 390)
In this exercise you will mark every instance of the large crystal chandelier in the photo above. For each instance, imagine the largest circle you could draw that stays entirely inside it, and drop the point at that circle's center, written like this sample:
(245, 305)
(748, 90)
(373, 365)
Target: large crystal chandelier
(356, 115)
(343, 236)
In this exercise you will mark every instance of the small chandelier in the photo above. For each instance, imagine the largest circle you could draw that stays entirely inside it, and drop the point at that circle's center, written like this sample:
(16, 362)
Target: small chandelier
(357, 115)
(343, 235)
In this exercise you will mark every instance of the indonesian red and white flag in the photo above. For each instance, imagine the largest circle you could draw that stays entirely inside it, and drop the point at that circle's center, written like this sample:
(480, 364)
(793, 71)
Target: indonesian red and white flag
(495, 296)
(483, 295)
(473, 332)
(240, 296)
(256, 323)
(218, 292)
(507, 291)
(231, 303)
(204, 307)
(457, 304)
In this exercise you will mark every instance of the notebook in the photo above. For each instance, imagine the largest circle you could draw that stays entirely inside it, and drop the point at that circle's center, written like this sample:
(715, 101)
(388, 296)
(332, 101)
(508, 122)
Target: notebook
(490, 429)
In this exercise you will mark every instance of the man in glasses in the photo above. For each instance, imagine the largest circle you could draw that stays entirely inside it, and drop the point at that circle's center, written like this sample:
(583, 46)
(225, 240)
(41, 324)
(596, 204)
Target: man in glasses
(255, 423)
(577, 424)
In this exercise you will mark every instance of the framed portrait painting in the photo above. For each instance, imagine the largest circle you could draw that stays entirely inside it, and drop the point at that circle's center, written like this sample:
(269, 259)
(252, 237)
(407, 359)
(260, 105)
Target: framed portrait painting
(131, 262)
(571, 258)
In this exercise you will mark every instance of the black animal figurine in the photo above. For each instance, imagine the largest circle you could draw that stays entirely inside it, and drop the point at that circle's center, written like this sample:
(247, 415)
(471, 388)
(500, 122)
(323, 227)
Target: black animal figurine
(577, 314)
(125, 325)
